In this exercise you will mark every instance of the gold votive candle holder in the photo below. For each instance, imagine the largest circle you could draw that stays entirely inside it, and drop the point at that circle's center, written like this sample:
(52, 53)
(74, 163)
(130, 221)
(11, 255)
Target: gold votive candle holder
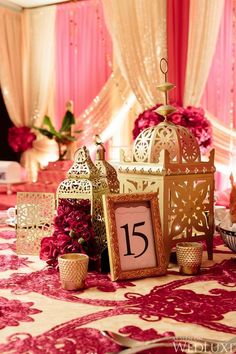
(189, 257)
(73, 268)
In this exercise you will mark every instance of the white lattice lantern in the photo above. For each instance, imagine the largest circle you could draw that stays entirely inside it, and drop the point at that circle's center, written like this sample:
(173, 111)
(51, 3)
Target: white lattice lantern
(84, 182)
(166, 158)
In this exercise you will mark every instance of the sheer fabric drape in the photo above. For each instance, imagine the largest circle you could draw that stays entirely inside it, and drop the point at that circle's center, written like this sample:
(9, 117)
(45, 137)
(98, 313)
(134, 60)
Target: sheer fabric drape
(219, 94)
(11, 54)
(204, 22)
(114, 103)
(138, 30)
(38, 69)
(38, 82)
(27, 83)
(83, 55)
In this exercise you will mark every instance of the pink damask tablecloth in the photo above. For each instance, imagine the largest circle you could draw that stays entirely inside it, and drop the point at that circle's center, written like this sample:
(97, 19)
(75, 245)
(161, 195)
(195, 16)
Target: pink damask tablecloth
(38, 316)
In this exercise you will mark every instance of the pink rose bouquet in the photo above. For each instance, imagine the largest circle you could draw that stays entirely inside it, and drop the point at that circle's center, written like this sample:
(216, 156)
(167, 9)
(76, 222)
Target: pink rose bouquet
(190, 117)
(73, 232)
(20, 139)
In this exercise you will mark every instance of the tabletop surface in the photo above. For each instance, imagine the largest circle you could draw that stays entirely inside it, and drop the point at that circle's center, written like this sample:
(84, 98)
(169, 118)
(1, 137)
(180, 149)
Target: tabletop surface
(38, 316)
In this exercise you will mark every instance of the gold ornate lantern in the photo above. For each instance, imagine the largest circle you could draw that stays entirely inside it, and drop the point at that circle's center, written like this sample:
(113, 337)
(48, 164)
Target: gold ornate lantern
(166, 159)
(84, 182)
(106, 170)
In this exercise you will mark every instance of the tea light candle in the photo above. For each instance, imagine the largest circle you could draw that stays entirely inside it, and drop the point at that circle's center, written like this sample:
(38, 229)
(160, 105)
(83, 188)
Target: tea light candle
(189, 257)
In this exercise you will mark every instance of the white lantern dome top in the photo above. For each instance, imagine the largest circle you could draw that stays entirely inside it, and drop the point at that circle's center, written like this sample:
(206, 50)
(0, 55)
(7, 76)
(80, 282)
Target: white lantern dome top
(177, 140)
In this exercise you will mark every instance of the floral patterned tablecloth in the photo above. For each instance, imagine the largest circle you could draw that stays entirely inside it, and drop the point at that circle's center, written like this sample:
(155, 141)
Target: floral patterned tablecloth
(38, 316)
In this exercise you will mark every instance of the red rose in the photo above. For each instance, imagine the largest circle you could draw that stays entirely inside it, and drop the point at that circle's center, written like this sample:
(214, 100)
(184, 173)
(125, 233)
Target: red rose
(73, 232)
(20, 139)
(48, 248)
(62, 240)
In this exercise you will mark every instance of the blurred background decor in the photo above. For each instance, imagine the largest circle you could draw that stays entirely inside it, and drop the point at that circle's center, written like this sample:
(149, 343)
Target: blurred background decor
(65, 136)
(21, 139)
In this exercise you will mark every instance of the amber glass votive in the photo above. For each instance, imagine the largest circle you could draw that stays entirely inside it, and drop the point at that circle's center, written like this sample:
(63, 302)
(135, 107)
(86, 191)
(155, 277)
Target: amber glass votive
(189, 257)
(73, 268)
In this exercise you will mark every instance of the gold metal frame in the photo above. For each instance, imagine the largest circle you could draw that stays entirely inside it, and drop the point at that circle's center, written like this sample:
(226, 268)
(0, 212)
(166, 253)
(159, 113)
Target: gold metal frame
(109, 203)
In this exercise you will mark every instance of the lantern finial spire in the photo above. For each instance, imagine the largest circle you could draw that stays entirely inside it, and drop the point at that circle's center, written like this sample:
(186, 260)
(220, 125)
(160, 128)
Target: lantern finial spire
(165, 109)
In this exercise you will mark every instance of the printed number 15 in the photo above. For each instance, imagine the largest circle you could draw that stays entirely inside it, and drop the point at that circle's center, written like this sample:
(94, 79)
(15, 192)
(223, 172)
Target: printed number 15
(137, 234)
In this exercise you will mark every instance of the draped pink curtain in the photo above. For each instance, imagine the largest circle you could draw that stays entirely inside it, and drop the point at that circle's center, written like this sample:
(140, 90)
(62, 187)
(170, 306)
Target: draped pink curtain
(177, 39)
(217, 97)
(83, 55)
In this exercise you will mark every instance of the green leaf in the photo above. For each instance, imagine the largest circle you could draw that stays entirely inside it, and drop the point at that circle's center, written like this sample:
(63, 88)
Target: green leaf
(77, 131)
(45, 132)
(67, 122)
(69, 138)
(47, 121)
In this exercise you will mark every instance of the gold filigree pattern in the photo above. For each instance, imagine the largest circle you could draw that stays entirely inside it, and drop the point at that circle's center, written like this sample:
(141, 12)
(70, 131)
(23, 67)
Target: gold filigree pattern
(109, 173)
(177, 140)
(166, 159)
(139, 185)
(141, 147)
(188, 210)
(165, 139)
(35, 214)
(85, 182)
(189, 147)
(172, 167)
(83, 166)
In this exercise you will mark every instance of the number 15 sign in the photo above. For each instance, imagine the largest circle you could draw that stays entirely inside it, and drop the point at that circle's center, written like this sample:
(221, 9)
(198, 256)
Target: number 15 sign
(135, 244)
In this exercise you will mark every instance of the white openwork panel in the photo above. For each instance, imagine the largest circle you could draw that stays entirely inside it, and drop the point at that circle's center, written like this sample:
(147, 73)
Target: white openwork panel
(83, 167)
(190, 150)
(35, 214)
(177, 140)
(70, 187)
(110, 175)
(85, 171)
(137, 184)
(189, 203)
(142, 145)
(153, 140)
(165, 138)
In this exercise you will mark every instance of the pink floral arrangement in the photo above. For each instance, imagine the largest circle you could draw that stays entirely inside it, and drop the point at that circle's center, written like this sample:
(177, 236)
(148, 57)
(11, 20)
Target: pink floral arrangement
(20, 139)
(73, 232)
(190, 117)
